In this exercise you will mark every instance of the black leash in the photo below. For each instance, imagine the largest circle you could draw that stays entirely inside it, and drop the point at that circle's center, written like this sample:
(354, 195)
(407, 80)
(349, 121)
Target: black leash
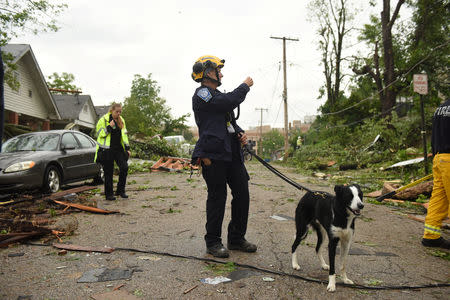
(274, 272)
(275, 171)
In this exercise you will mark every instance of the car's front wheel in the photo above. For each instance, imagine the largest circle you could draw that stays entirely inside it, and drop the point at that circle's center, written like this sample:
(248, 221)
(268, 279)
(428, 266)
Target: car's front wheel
(52, 180)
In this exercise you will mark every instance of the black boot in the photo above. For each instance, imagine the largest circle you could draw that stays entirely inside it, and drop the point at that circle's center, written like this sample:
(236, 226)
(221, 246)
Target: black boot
(122, 195)
(440, 242)
(243, 246)
(218, 250)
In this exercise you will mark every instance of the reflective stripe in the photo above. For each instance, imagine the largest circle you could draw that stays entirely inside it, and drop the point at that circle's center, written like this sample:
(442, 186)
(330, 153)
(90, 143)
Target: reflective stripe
(432, 229)
(102, 146)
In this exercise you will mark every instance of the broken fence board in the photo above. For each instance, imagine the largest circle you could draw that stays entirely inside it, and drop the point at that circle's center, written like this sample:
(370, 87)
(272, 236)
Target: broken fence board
(87, 208)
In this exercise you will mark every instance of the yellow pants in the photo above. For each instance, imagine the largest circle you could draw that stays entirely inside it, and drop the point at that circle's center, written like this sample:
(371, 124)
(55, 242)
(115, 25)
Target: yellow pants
(438, 208)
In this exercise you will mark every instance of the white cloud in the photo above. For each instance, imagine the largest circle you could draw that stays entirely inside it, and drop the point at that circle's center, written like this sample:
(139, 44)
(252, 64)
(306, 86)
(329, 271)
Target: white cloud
(104, 43)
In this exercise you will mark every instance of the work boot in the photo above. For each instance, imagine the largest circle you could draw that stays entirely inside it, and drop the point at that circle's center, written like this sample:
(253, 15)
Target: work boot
(440, 242)
(218, 250)
(122, 195)
(110, 197)
(244, 246)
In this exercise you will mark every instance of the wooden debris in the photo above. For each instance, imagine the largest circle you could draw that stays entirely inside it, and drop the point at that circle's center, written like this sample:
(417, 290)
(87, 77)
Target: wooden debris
(16, 237)
(119, 287)
(421, 218)
(190, 289)
(83, 248)
(87, 208)
(374, 194)
(61, 194)
(402, 201)
(173, 164)
(409, 194)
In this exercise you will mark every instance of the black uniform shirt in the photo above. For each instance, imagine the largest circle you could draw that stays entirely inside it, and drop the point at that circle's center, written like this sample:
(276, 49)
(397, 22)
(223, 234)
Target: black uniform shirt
(116, 136)
(440, 138)
(212, 111)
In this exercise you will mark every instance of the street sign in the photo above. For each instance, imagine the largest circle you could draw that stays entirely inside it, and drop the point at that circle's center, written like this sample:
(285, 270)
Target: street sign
(420, 82)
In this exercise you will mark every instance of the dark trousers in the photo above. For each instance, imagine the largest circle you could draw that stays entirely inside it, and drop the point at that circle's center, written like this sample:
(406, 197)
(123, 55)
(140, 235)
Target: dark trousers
(120, 157)
(217, 176)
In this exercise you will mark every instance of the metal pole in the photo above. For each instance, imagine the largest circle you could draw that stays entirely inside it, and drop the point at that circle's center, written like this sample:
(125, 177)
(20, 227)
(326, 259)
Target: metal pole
(424, 137)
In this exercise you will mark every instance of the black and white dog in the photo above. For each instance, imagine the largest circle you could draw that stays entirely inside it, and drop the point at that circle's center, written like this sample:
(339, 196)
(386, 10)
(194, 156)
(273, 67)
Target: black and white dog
(333, 216)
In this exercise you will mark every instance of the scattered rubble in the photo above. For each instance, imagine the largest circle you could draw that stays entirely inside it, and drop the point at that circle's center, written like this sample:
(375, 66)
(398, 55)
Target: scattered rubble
(173, 164)
(30, 216)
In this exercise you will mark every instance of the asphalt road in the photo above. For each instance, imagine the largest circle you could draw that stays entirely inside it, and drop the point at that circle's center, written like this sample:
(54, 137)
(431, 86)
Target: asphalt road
(166, 214)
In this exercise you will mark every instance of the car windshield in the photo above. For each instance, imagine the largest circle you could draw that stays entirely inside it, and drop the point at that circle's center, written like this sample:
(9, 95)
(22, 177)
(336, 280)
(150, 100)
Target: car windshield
(32, 142)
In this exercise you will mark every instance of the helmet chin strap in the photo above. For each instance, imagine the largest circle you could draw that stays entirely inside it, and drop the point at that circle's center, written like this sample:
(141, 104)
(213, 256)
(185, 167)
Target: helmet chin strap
(214, 80)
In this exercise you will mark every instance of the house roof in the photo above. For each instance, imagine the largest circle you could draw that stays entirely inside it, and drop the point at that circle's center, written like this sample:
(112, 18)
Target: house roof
(17, 50)
(102, 110)
(22, 50)
(70, 106)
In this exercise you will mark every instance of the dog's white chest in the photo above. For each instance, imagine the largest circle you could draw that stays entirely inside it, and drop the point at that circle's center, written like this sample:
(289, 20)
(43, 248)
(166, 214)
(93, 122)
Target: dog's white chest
(342, 233)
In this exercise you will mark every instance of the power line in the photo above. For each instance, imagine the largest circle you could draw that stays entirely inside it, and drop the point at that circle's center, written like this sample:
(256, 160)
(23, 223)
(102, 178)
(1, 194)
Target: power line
(400, 77)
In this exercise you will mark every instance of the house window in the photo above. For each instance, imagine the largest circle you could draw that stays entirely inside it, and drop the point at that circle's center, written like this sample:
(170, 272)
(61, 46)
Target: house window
(30, 93)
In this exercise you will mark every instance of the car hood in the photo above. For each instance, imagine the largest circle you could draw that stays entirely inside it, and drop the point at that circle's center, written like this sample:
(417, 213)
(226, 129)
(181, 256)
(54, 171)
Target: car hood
(7, 159)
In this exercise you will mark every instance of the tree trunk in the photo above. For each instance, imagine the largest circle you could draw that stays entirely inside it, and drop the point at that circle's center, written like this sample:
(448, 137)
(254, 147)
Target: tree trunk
(389, 68)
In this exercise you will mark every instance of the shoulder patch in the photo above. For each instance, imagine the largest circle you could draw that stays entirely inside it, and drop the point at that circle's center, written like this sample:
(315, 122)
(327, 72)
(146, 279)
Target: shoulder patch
(204, 94)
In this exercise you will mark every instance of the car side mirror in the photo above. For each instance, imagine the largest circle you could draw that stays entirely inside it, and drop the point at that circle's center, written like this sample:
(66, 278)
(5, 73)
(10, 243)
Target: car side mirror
(67, 147)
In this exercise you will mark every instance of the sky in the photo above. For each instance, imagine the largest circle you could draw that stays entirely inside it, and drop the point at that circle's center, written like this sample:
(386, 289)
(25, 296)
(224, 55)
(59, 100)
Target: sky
(105, 43)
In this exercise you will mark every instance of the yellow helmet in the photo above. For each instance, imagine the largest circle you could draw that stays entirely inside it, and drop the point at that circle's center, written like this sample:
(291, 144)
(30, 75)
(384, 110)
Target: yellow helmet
(206, 62)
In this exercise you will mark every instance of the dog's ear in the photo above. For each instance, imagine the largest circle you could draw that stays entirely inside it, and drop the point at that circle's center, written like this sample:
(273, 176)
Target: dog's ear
(338, 190)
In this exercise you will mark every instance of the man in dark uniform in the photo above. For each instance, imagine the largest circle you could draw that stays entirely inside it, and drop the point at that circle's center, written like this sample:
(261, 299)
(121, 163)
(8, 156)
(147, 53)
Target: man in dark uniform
(219, 152)
(438, 208)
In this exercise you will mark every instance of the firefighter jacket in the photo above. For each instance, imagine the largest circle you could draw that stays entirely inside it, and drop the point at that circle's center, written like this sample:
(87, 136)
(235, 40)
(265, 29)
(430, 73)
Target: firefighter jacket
(213, 111)
(104, 135)
(440, 138)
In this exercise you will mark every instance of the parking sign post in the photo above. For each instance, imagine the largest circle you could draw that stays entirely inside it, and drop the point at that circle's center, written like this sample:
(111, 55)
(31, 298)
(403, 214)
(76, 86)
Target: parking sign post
(420, 82)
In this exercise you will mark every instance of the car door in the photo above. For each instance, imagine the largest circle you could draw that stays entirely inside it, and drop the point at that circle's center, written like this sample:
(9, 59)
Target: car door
(88, 147)
(71, 157)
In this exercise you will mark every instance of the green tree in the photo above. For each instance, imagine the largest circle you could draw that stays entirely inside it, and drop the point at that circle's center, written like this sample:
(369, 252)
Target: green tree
(146, 112)
(417, 45)
(272, 141)
(63, 82)
(334, 18)
(35, 16)
(21, 16)
(429, 39)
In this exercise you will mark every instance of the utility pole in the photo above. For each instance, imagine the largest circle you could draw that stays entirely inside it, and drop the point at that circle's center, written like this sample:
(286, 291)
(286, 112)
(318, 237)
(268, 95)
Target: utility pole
(260, 130)
(286, 140)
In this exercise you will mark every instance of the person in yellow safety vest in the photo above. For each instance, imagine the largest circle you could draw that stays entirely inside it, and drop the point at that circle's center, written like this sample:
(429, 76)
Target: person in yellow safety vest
(113, 145)
(299, 142)
(438, 207)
